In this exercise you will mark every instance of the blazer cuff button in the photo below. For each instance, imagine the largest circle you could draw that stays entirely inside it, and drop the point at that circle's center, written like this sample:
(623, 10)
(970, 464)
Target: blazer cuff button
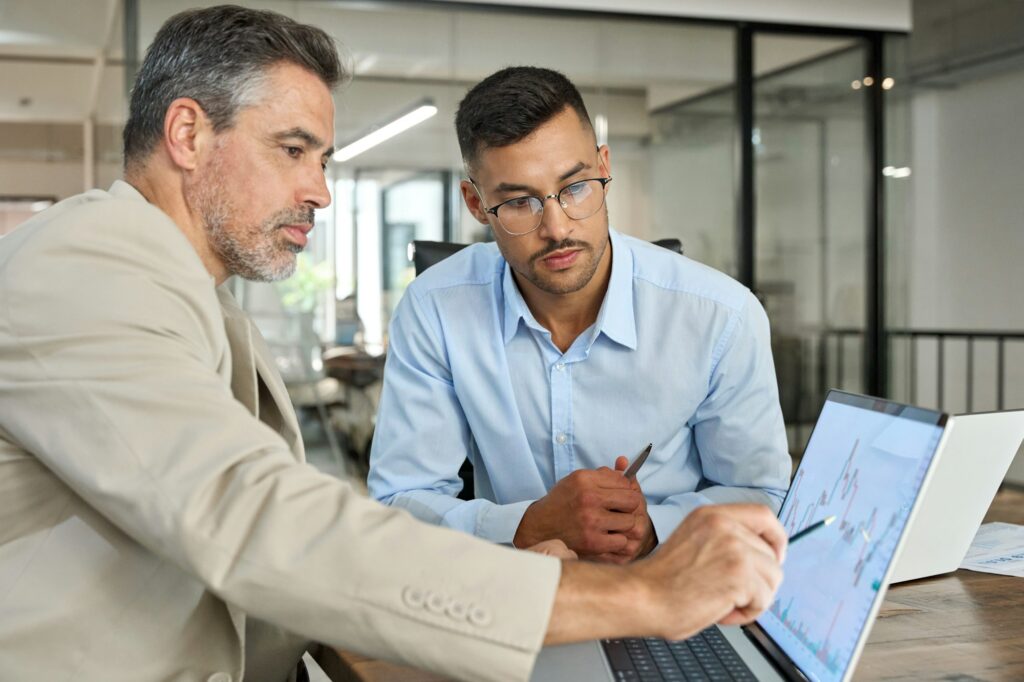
(458, 610)
(479, 616)
(435, 603)
(413, 597)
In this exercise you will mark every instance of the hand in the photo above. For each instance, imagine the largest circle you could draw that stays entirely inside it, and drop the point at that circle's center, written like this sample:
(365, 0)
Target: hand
(590, 510)
(641, 538)
(722, 565)
(555, 548)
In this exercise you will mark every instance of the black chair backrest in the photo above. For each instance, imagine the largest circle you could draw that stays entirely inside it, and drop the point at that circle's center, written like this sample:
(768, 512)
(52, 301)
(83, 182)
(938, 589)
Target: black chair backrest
(426, 253)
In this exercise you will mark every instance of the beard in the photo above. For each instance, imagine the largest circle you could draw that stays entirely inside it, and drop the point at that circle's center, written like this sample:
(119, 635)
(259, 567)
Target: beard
(558, 285)
(259, 252)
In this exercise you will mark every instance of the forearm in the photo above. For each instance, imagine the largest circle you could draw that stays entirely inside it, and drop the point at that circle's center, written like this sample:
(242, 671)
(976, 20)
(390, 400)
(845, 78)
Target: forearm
(725, 494)
(485, 519)
(666, 516)
(596, 601)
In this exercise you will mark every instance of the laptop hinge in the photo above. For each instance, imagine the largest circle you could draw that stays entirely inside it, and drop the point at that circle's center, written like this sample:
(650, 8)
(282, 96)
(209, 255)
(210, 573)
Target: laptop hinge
(764, 643)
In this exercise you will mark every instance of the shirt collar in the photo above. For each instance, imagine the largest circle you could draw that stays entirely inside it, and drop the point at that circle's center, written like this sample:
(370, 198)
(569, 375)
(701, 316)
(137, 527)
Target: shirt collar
(616, 319)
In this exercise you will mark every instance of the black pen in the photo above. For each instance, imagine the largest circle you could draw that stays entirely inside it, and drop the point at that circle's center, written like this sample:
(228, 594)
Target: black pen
(811, 528)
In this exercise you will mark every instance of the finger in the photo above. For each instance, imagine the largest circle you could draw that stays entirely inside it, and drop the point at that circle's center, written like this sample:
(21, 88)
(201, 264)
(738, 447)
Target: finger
(606, 521)
(611, 558)
(621, 463)
(760, 520)
(601, 543)
(738, 617)
(608, 478)
(553, 547)
(626, 501)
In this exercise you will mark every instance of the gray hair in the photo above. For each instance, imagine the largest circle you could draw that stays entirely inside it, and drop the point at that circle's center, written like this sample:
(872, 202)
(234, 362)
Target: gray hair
(219, 57)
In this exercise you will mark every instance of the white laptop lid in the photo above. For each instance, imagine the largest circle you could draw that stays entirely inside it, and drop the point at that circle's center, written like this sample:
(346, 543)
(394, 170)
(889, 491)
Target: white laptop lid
(968, 470)
(866, 463)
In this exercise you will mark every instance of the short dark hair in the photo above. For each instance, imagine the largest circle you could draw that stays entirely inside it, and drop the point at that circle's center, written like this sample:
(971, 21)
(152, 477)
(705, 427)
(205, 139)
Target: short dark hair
(218, 56)
(508, 105)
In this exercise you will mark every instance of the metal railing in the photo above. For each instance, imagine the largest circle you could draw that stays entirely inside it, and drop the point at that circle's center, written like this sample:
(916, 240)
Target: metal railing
(834, 342)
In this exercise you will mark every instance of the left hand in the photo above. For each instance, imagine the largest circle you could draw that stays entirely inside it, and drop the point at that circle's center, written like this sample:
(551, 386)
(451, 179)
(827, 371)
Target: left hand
(641, 538)
(555, 548)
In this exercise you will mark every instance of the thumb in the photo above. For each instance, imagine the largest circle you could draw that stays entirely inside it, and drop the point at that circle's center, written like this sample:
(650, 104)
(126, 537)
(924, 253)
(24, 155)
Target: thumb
(621, 463)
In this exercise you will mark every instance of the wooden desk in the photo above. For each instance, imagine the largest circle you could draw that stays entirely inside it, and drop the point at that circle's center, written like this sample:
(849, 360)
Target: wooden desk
(963, 626)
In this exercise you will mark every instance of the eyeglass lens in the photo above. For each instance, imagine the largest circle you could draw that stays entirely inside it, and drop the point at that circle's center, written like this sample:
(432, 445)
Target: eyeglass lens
(579, 200)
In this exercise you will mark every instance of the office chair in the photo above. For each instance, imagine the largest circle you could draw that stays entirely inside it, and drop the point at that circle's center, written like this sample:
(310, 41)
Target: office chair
(426, 253)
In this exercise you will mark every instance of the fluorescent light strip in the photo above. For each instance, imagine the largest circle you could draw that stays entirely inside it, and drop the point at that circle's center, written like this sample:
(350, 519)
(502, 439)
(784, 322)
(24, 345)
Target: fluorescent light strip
(386, 132)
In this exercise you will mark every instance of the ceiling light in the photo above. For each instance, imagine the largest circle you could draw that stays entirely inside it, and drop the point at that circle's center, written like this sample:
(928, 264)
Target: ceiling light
(894, 172)
(888, 83)
(855, 85)
(419, 113)
(869, 81)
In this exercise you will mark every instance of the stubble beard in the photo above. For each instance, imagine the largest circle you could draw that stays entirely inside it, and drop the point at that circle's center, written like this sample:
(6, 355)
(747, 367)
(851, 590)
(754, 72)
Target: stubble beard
(257, 252)
(556, 285)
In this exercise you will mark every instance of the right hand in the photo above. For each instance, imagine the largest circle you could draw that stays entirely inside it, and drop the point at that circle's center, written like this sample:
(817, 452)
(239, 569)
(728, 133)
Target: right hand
(589, 510)
(722, 565)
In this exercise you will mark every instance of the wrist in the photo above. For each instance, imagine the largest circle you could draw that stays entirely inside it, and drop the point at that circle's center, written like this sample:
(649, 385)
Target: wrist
(650, 542)
(524, 537)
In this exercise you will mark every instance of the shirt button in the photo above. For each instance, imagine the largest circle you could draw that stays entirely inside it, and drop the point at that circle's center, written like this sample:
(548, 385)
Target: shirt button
(560, 439)
(560, 366)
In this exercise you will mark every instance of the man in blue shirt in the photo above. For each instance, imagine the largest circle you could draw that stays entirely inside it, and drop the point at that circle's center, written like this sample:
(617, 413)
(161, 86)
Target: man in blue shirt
(544, 355)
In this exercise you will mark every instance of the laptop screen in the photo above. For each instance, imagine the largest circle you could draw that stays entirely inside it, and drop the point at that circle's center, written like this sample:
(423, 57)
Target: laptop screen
(864, 464)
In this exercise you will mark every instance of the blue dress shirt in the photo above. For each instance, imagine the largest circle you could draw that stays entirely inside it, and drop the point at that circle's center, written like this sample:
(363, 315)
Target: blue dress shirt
(679, 356)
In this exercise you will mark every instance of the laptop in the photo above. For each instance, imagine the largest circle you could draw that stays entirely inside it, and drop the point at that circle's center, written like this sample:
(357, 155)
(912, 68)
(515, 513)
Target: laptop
(971, 465)
(867, 462)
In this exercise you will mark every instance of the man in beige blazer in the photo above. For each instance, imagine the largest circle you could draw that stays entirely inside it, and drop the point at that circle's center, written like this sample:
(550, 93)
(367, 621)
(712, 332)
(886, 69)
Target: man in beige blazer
(157, 518)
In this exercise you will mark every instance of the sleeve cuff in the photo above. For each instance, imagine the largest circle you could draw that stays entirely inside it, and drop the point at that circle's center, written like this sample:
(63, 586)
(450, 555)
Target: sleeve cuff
(666, 517)
(499, 522)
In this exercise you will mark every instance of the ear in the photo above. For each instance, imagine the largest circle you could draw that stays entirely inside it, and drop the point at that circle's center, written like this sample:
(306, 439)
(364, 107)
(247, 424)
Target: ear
(186, 132)
(604, 159)
(473, 202)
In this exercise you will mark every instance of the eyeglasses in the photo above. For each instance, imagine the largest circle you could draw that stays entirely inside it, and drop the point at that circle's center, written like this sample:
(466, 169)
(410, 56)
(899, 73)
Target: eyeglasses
(522, 215)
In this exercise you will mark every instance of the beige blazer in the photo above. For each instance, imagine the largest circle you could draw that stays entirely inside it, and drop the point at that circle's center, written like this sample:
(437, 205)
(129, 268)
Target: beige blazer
(156, 512)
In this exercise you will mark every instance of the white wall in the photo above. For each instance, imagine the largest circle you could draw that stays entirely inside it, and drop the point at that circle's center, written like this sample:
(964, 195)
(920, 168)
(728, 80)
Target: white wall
(966, 239)
(967, 235)
(59, 179)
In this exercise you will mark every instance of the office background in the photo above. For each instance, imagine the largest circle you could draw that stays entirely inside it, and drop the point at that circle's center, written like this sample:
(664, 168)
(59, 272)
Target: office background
(855, 163)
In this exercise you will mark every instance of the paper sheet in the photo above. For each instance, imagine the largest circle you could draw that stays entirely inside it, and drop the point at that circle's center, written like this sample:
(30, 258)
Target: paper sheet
(997, 548)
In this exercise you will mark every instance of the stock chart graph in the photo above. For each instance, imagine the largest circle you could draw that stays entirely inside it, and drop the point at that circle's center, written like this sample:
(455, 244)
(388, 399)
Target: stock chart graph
(865, 468)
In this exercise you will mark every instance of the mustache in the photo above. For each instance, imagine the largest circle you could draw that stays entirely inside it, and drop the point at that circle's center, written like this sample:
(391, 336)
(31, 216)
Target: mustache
(558, 246)
(293, 216)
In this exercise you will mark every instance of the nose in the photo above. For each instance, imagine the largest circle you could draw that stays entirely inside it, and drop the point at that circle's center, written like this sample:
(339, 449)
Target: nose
(313, 191)
(555, 224)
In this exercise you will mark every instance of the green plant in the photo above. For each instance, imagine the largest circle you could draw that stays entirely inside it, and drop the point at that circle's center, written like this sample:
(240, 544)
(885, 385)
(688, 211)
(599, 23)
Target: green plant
(301, 291)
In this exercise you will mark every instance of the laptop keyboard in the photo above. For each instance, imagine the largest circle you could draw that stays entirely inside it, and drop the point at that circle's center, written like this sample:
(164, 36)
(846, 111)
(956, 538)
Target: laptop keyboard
(705, 656)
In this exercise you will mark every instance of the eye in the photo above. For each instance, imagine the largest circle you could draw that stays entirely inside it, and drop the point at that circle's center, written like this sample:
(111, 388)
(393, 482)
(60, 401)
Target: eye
(577, 188)
(294, 152)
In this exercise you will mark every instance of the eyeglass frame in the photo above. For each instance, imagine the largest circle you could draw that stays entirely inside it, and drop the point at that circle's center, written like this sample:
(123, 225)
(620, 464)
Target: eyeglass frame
(543, 203)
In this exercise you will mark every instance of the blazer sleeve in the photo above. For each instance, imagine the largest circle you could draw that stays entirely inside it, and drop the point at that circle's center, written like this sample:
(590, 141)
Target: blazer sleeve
(112, 371)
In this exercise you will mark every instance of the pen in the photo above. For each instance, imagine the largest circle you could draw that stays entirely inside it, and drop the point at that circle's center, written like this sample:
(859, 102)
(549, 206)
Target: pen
(638, 462)
(811, 528)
